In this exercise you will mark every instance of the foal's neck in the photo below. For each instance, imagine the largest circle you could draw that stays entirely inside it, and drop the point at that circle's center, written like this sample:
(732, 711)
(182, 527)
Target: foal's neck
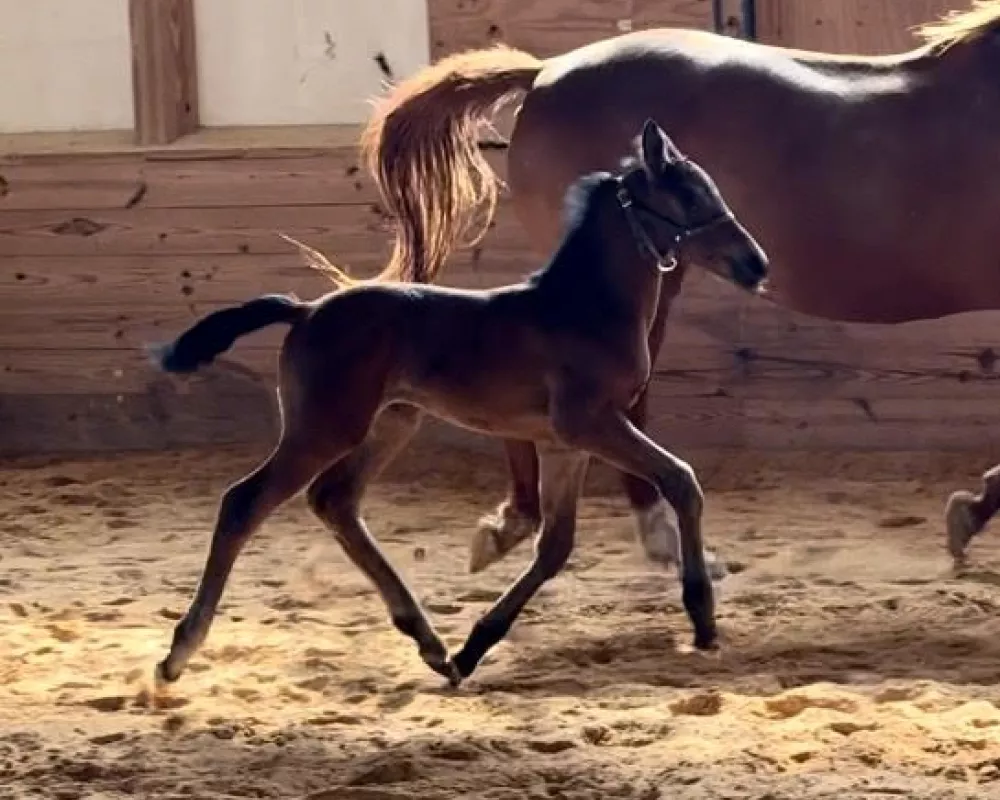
(600, 262)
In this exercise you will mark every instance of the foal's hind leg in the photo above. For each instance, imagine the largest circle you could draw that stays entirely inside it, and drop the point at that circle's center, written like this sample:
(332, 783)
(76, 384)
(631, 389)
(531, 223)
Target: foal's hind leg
(244, 507)
(561, 478)
(966, 514)
(335, 497)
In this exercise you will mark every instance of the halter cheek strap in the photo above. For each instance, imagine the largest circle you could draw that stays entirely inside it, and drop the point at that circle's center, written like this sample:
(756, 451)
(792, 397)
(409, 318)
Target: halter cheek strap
(666, 262)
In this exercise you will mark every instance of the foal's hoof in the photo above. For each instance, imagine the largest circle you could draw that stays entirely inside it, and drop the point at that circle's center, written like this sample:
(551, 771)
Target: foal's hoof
(447, 670)
(162, 679)
(961, 523)
(707, 642)
(496, 536)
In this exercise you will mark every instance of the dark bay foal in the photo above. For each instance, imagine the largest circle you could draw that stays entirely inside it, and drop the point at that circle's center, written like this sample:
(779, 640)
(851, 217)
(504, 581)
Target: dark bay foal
(557, 360)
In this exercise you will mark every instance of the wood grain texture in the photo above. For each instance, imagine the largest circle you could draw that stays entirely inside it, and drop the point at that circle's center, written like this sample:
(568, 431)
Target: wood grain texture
(846, 26)
(675, 13)
(222, 414)
(258, 141)
(292, 176)
(127, 370)
(112, 246)
(555, 26)
(161, 418)
(229, 413)
(341, 231)
(38, 285)
(164, 71)
(333, 178)
(345, 233)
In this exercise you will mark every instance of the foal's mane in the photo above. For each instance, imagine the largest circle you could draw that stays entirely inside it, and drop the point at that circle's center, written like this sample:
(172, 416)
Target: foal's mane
(961, 27)
(582, 196)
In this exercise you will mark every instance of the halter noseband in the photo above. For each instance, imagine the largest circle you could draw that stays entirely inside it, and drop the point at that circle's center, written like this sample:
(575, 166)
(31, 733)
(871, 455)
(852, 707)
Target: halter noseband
(665, 262)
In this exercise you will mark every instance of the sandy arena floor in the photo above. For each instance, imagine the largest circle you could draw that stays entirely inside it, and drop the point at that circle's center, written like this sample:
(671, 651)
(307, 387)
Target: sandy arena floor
(855, 664)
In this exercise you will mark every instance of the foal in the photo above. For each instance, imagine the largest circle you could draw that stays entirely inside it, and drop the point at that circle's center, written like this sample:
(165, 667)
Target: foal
(557, 360)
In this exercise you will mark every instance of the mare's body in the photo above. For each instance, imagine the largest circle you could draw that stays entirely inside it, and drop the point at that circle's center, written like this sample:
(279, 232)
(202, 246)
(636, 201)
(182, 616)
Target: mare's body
(871, 181)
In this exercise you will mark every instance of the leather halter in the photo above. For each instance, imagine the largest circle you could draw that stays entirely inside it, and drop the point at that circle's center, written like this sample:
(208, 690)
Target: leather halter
(665, 261)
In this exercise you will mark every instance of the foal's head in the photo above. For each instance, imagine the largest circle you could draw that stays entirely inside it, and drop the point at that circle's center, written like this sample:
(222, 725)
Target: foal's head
(676, 211)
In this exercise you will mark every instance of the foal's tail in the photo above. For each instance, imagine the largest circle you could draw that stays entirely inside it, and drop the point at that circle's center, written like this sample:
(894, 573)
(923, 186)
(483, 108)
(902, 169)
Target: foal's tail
(217, 332)
(421, 147)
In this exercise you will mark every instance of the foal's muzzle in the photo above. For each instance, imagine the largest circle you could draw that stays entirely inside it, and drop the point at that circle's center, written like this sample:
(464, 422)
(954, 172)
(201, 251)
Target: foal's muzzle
(750, 269)
(733, 254)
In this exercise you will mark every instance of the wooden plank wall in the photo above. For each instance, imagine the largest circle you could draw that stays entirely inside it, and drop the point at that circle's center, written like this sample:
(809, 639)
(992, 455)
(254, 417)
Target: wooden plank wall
(548, 27)
(105, 250)
(847, 26)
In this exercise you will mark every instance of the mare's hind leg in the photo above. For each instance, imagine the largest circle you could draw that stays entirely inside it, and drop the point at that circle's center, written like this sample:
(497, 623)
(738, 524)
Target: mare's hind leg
(561, 478)
(243, 508)
(336, 496)
(966, 513)
(517, 516)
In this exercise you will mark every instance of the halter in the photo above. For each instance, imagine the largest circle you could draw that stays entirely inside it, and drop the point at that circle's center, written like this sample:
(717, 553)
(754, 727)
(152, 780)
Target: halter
(665, 262)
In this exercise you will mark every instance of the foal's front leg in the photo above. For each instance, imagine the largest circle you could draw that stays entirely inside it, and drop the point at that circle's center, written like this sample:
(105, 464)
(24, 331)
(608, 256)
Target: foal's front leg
(598, 428)
(562, 472)
(656, 520)
(518, 515)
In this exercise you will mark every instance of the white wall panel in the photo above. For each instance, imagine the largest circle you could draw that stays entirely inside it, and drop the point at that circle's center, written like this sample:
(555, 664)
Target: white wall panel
(275, 62)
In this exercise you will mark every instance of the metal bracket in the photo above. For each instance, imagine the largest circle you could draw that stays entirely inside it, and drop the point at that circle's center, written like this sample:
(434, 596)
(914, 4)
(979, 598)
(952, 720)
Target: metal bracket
(748, 18)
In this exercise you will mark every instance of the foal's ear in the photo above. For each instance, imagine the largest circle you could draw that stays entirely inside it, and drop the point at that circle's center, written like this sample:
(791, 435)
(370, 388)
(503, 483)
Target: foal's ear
(658, 151)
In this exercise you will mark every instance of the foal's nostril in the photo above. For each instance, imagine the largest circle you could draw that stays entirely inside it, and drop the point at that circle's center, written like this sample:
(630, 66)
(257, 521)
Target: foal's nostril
(749, 269)
(756, 264)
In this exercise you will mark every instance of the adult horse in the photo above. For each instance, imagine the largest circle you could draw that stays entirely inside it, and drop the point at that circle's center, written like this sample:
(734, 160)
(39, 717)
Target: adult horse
(871, 182)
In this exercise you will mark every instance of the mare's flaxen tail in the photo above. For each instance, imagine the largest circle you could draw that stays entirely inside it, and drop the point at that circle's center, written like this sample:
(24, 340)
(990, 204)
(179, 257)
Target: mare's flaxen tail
(421, 147)
(216, 333)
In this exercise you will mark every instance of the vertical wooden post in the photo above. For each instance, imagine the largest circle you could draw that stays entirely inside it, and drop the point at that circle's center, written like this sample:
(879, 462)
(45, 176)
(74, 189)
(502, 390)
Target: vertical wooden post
(164, 75)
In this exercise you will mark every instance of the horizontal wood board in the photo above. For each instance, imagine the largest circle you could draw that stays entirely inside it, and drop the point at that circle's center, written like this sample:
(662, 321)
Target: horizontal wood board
(106, 247)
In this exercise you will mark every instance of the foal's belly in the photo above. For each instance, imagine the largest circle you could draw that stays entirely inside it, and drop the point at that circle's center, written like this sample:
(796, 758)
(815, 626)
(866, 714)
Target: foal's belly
(499, 411)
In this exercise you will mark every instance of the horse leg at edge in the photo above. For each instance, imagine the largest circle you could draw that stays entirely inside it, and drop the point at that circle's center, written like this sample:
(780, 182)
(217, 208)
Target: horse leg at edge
(335, 497)
(966, 514)
(562, 472)
(517, 517)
